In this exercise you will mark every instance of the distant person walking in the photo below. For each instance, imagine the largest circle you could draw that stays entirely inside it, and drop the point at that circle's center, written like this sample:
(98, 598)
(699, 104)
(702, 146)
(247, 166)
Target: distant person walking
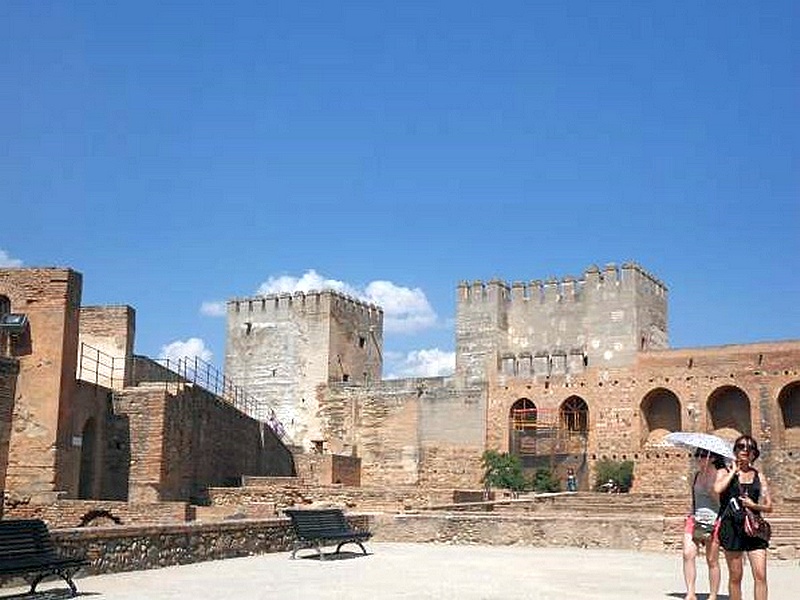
(700, 526)
(739, 487)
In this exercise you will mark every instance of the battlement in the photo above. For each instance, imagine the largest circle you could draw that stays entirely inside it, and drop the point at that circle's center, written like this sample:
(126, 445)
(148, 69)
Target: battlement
(311, 302)
(629, 277)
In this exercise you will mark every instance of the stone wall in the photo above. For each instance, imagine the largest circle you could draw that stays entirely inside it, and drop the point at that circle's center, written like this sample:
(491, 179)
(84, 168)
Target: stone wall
(642, 533)
(116, 549)
(283, 493)
(80, 513)
(325, 469)
(410, 431)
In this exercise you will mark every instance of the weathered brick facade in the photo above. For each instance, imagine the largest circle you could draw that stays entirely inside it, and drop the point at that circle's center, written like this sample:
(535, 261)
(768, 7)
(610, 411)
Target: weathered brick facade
(82, 417)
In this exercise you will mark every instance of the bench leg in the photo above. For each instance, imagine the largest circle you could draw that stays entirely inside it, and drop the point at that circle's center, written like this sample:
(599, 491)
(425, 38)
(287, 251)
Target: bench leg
(35, 581)
(339, 547)
(65, 574)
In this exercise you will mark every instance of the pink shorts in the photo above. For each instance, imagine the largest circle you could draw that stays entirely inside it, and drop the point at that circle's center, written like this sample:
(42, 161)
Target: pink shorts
(699, 533)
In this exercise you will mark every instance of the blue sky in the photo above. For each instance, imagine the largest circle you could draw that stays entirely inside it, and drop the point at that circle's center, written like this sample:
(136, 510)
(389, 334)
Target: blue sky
(179, 154)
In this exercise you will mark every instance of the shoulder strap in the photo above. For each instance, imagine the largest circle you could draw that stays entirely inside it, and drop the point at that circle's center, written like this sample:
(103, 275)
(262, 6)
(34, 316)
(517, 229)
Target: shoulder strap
(694, 483)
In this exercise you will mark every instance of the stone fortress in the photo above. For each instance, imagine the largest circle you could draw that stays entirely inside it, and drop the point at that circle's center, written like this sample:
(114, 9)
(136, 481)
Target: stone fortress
(562, 373)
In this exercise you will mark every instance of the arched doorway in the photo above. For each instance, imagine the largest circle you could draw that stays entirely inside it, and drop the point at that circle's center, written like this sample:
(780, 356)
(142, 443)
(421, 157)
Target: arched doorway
(661, 413)
(522, 427)
(789, 403)
(88, 445)
(729, 408)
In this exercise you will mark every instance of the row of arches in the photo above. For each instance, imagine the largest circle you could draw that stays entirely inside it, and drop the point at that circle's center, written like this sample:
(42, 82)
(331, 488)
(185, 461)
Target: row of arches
(727, 408)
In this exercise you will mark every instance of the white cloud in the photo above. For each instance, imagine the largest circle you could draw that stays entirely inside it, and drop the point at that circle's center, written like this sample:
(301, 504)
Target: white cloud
(405, 310)
(311, 280)
(214, 308)
(181, 349)
(421, 363)
(7, 261)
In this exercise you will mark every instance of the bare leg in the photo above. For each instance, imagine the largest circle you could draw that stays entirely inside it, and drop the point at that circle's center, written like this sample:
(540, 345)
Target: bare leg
(714, 573)
(689, 567)
(735, 571)
(758, 566)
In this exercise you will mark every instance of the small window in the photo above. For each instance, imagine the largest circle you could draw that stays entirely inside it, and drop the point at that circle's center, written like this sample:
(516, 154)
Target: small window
(362, 341)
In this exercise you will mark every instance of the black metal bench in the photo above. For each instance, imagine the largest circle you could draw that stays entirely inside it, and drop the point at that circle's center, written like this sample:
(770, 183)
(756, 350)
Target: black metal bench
(315, 528)
(27, 551)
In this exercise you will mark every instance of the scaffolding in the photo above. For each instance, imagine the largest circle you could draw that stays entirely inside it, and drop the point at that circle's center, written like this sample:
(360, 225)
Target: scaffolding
(549, 437)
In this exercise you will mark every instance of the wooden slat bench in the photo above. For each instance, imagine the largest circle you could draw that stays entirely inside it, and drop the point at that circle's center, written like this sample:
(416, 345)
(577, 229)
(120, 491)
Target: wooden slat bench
(27, 551)
(315, 528)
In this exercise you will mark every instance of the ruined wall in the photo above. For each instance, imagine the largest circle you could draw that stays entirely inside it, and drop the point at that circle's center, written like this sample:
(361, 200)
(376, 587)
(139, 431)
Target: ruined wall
(281, 347)
(50, 297)
(327, 469)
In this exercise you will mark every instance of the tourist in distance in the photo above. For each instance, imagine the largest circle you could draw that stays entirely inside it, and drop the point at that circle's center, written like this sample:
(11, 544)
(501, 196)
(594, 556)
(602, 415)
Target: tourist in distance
(700, 526)
(572, 481)
(743, 486)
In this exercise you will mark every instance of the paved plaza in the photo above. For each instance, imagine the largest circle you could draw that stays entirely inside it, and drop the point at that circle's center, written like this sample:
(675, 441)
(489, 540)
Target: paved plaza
(418, 571)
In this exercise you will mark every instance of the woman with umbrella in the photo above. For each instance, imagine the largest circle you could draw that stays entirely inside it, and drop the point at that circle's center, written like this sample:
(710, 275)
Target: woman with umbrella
(699, 529)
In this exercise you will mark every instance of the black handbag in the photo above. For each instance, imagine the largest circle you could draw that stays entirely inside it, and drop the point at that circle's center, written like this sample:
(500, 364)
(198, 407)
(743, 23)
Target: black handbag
(756, 526)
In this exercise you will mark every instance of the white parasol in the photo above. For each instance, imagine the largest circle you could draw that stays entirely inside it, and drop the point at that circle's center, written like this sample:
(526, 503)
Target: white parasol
(704, 441)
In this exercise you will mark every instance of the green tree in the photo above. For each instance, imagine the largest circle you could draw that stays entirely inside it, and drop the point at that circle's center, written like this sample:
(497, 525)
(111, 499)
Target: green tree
(502, 470)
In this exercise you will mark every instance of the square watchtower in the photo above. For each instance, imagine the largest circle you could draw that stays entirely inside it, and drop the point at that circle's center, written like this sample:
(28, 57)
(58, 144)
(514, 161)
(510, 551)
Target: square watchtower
(558, 327)
(281, 347)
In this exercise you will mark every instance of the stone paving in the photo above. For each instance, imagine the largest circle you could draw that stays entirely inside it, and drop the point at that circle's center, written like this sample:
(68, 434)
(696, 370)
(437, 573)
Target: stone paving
(420, 571)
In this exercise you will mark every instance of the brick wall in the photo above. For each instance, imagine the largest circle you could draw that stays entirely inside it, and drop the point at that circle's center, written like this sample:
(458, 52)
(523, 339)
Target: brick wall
(50, 298)
(186, 439)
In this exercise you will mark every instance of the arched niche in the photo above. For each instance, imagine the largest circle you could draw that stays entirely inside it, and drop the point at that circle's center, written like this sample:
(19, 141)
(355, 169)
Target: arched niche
(729, 408)
(661, 413)
(87, 475)
(789, 403)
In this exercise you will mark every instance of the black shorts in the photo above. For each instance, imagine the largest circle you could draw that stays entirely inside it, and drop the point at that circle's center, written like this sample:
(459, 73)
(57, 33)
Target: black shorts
(733, 538)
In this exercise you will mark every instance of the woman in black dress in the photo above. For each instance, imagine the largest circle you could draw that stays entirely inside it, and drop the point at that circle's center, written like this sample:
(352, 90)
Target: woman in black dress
(738, 487)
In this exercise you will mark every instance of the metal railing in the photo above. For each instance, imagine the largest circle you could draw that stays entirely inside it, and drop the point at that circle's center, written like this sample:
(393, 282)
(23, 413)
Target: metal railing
(102, 369)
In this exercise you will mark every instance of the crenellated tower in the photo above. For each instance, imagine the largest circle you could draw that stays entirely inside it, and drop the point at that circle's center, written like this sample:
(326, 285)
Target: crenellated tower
(559, 326)
(280, 347)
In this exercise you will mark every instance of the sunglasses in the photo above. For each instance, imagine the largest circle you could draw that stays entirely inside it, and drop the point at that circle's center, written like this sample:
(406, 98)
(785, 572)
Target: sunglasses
(743, 446)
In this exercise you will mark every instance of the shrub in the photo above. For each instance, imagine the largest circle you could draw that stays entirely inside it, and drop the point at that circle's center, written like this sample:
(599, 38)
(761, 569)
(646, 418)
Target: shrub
(544, 480)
